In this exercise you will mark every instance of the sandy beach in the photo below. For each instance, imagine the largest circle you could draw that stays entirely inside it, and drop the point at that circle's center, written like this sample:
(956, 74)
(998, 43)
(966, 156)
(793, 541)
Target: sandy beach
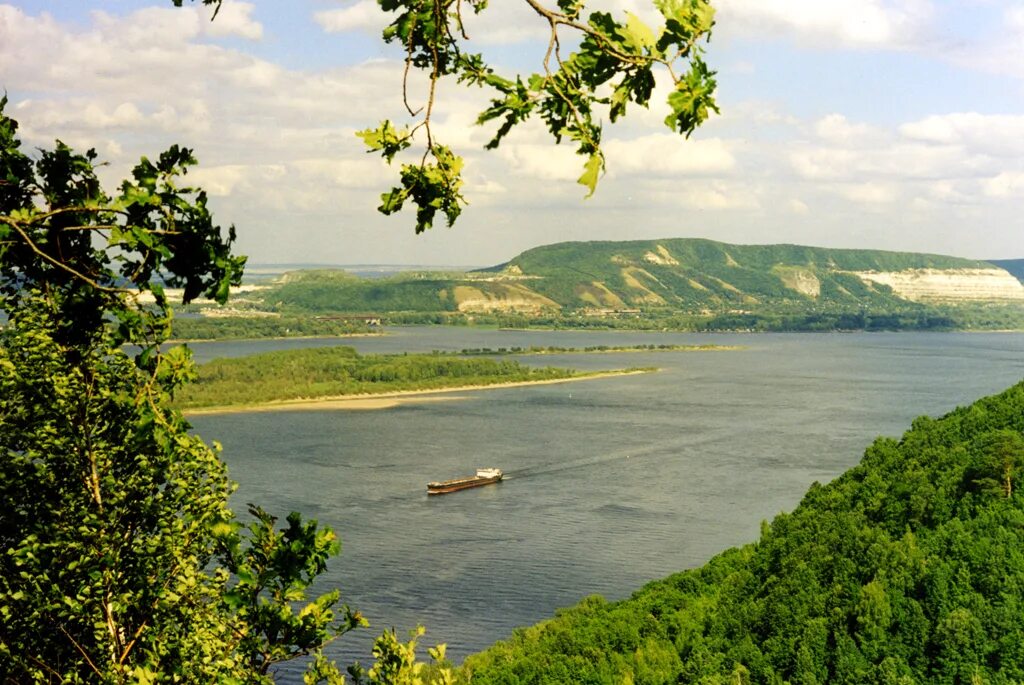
(387, 400)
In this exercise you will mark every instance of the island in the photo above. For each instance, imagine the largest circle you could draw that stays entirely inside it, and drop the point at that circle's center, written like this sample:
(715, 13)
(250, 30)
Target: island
(340, 377)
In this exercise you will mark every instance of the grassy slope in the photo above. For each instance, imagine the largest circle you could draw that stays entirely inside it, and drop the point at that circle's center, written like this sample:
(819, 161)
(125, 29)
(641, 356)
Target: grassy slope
(907, 569)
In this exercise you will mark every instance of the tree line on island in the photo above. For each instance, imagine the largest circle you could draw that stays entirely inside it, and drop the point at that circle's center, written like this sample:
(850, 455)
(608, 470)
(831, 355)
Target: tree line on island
(339, 371)
(242, 327)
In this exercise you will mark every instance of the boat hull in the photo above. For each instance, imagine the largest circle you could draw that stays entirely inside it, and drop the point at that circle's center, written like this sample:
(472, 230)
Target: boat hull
(445, 487)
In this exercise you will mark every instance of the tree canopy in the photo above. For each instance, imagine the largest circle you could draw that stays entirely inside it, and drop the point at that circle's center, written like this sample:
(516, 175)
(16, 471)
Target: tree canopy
(121, 559)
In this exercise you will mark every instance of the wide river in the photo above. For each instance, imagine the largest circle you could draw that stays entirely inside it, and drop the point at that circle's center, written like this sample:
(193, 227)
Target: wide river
(610, 483)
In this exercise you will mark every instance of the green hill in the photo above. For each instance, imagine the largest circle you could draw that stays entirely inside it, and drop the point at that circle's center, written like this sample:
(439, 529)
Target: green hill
(681, 277)
(907, 569)
(688, 273)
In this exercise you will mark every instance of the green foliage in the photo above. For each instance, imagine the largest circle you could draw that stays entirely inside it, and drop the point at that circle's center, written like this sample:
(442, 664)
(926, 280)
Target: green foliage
(432, 188)
(248, 327)
(396, 663)
(119, 558)
(337, 371)
(54, 216)
(903, 570)
(271, 571)
(105, 517)
(613, 56)
(360, 295)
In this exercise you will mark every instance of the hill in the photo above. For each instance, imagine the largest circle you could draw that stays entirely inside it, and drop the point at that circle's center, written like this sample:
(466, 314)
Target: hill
(1013, 266)
(673, 277)
(906, 569)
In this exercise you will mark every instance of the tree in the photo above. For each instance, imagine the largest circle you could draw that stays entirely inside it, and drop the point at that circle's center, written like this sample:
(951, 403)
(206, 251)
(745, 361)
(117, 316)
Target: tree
(1001, 456)
(613, 65)
(120, 558)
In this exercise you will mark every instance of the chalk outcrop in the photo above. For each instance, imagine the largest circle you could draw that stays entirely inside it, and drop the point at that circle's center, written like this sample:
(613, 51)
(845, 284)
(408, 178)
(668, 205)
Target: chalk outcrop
(949, 285)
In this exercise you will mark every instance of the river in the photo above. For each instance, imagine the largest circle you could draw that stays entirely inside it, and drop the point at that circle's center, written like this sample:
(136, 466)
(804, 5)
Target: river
(610, 483)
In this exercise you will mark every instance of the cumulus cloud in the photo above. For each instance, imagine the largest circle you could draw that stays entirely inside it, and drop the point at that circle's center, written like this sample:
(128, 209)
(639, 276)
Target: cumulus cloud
(869, 193)
(1006, 184)
(890, 24)
(669, 154)
(993, 134)
(364, 15)
(837, 128)
(797, 206)
(277, 143)
(235, 19)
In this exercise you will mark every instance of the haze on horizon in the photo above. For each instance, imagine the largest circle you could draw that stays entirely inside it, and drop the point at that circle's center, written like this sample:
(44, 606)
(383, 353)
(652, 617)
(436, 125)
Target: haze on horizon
(883, 124)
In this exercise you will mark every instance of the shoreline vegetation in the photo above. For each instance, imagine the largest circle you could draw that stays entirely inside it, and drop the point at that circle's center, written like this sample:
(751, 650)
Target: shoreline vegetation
(335, 373)
(389, 399)
(186, 341)
(593, 349)
(260, 325)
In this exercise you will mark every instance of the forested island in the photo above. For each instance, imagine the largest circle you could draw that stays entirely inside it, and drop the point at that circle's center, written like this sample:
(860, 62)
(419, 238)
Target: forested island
(261, 380)
(906, 569)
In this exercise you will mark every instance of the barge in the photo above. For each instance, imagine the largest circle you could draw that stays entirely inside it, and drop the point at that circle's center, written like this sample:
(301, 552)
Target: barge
(482, 477)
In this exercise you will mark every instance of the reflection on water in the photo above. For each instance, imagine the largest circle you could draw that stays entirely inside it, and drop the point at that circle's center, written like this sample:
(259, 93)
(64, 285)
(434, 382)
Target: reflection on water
(611, 482)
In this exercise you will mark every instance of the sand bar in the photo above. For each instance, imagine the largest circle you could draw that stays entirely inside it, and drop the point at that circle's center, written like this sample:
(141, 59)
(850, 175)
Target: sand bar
(387, 400)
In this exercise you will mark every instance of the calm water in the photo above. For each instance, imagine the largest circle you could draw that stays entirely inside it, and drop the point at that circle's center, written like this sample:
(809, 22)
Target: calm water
(610, 483)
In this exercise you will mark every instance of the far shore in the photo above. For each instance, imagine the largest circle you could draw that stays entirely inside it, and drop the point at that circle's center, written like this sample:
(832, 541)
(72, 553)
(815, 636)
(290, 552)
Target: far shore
(184, 341)
(387, 400)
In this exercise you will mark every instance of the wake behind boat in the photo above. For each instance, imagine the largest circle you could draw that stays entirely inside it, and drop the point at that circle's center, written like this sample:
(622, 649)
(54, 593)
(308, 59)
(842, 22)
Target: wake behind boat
(482, 477)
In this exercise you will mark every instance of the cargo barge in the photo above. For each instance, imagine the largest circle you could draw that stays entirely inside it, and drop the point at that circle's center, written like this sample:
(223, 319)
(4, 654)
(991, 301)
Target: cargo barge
(482, 477)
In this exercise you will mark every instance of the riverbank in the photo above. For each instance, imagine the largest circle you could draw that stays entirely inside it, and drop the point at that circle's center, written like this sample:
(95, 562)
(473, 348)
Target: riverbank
(341, 336)
(388, 400)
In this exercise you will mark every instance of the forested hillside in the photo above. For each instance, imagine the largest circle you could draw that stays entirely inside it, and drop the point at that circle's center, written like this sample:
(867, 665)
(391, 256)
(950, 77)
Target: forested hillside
(909, 568)
(681, 277)
(706, 273)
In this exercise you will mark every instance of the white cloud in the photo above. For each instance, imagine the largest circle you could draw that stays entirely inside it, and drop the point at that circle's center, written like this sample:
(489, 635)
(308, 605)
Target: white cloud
(669, 154)
(1006, 184)
(869, 193)
(277, 143)
(705, 196)
(998, 135)
(836, 128)
(235, 19)
(542, 161)
(894, 24)
(797, 206)
(1014, 18)
(364, 15)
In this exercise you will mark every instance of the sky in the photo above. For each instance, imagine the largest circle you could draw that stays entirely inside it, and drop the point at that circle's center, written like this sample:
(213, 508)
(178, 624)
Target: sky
(886, 124)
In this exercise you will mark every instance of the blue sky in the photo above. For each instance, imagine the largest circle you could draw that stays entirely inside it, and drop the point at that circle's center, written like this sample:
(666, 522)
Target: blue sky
(890, 124)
